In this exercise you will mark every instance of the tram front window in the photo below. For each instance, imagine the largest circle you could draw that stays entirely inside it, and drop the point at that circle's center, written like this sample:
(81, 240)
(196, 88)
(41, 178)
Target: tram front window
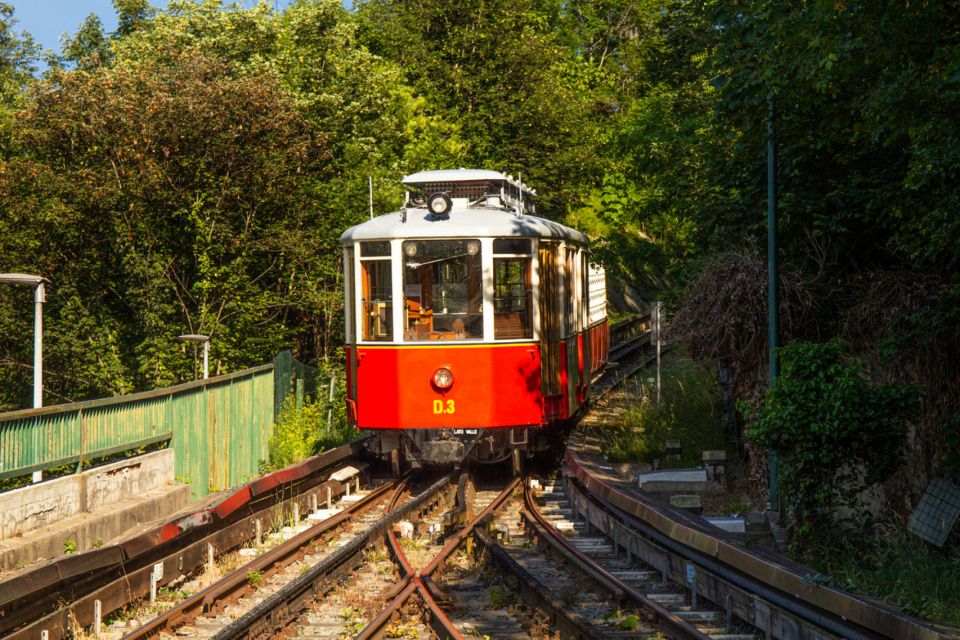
(442, 290)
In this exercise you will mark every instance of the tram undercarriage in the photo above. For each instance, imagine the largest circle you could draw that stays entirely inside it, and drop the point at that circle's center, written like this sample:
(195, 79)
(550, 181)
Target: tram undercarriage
(420, 447)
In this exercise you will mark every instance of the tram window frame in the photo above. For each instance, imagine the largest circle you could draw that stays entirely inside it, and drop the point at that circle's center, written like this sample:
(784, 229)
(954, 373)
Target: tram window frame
(508, 251)
(429, 314)
(350, 290)
(376, 263)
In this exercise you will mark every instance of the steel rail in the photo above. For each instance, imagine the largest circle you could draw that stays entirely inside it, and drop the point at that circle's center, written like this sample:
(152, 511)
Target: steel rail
(119, 574)
(283, 607)
(536, 594)
(420, 581)
(625, 327)
(670, 623)
(834, 611)
(235, 583)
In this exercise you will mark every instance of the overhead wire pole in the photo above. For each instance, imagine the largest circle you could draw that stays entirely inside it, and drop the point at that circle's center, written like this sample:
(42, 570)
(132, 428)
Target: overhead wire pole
(773, 319)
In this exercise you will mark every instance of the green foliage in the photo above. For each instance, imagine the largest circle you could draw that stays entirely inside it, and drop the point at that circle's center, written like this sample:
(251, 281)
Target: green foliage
(18, 59)
(69, 546)
(89, 47)
(689, 411)
(295, 432)
(162, 224)
(312, 428)
(891, 564)
(499, 71)
(834, 432)
(255, 579)
(500, 596)
(629, 623)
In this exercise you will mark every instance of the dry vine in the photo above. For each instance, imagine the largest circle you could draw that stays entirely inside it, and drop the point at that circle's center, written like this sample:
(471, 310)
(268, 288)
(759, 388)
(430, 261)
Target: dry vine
(723, 322)
(899, 303)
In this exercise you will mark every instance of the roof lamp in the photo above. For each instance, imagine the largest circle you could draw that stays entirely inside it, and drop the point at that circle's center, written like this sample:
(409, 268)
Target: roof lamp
(439, 205)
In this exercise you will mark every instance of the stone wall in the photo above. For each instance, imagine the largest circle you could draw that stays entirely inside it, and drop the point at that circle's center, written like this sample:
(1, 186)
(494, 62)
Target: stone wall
(39, 505)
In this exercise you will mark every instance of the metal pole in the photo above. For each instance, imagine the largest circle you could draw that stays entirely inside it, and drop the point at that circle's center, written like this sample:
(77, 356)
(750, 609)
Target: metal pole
(659, 333)
(330, 407)
(206, 357)
(39, 299)
(370, 179)
(773, 320)
(194, 360)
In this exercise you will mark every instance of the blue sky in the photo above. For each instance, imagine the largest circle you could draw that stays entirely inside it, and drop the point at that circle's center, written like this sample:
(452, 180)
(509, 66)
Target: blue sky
(47, 20)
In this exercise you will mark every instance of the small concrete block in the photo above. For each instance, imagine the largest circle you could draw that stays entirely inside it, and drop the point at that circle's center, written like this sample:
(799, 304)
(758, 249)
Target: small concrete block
(733, 524)
(403, 528)
(672, 475)
(714, 456)
(688, 502)
(673, 448)
(247, 552)
(346, 473)
(323, 514)
(535, 485)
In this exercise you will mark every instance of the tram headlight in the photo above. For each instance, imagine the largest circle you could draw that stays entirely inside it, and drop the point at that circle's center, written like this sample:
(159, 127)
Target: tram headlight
(439, 205)
(473, 248)
(410, 248)
(443, 378)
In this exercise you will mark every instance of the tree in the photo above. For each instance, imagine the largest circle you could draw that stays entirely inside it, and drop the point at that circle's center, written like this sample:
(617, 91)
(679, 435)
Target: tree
(499, 71)
(160, 202)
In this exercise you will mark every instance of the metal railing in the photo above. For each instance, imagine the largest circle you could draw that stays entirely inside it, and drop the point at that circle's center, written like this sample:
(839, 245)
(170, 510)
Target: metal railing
(218, 427)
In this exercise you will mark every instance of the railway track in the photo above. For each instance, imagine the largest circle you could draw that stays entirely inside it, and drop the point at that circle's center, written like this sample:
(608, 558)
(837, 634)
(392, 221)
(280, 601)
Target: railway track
(53, 600)
(761, 589)
(347, 586)
(210, 610)
(583, 558)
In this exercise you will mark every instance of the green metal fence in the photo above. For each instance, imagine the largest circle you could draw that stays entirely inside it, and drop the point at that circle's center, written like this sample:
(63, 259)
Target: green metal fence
(292, 377)
(218, 429)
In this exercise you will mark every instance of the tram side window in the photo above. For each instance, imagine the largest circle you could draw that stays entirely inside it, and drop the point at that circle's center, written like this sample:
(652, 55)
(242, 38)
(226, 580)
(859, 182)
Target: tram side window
(377, 290)
(442, 290)
(512, 313)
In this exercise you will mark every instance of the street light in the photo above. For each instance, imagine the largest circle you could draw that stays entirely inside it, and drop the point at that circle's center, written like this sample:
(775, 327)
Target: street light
(196, 339)
(39, 297)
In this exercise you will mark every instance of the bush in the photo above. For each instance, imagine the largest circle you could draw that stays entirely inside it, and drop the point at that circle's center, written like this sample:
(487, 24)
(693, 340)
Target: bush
(689, 411)
(303, 431)
(835, 434)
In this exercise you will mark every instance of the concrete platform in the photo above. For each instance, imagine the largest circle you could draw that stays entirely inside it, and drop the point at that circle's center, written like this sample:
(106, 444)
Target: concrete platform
(86, 510)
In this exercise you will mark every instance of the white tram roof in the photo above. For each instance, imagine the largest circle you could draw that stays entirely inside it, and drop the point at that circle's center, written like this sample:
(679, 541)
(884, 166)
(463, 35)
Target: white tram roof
(464, 222)
(498, 217)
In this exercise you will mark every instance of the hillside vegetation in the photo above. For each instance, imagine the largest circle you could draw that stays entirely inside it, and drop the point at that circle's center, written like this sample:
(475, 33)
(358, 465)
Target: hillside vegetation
(191, 171)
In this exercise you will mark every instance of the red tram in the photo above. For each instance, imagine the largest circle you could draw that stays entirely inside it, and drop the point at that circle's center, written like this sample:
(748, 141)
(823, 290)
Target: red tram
(472, 326)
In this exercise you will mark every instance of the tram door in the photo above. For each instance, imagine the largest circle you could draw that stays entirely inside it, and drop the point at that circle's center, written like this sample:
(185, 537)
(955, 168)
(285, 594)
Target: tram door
(550, 327)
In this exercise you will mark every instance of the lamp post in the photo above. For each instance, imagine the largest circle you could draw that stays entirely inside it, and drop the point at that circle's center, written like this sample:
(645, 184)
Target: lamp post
(39, 297)
(773, 305)
(196, 339)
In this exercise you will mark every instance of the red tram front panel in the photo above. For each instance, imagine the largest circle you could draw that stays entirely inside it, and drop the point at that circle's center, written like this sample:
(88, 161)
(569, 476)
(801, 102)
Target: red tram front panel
(494, 385)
